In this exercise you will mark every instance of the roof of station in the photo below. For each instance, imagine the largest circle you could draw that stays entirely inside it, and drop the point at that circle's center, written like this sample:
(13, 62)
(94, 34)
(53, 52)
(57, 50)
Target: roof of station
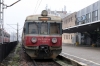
(91, 26)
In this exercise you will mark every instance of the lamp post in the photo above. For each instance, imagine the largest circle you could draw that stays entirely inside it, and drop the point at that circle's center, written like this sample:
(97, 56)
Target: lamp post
(2, 7)
(1, 17)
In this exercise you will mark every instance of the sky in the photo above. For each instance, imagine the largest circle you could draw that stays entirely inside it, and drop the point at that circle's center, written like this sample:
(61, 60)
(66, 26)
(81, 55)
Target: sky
(18, 12)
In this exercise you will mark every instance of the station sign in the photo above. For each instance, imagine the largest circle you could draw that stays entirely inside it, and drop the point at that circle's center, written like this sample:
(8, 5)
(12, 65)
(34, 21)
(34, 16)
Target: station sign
(82, 18)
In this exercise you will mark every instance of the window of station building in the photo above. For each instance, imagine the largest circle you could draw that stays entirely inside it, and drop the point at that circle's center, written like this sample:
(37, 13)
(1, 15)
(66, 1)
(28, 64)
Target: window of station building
(83, 19)
(78, 19)
(69, 36)
(71, 18)
(95, 15)
(66, 21)
(88, 17)
(66, 37)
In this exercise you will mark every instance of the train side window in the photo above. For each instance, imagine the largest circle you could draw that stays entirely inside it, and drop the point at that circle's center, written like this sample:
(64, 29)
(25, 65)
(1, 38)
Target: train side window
(24, 30)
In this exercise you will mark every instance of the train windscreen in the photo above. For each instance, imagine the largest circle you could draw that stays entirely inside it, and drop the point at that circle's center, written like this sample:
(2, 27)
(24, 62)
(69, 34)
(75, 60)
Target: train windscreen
(44, 28)
(33, 28)
(54, 28)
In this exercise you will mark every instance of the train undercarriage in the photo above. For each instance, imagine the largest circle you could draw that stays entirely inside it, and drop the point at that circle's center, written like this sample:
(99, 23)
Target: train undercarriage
(43, 52)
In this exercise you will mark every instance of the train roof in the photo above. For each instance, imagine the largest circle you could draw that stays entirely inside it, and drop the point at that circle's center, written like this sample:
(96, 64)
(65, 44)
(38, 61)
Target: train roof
(35, 18)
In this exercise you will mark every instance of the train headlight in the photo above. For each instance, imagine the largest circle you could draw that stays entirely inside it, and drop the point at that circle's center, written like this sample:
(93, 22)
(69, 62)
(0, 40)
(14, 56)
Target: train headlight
(34, 40)
(44, 13)
(54, 40)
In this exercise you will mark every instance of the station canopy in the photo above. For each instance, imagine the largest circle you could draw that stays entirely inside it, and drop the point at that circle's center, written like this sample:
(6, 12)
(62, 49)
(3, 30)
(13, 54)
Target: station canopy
(91, 26)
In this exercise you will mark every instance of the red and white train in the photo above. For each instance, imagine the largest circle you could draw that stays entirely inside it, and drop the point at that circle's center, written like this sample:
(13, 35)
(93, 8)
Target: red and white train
(42, 36)
(6, 37)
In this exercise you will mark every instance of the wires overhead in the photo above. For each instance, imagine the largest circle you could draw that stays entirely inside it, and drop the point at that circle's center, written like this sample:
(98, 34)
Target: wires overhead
(13, 3)
(37, 6)
(5, 6)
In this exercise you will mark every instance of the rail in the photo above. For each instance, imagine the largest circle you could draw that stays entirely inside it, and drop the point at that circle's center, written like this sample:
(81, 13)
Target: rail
(45, 62)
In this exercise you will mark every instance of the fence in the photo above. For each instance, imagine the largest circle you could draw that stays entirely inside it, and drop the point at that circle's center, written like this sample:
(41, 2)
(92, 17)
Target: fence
(5, 49)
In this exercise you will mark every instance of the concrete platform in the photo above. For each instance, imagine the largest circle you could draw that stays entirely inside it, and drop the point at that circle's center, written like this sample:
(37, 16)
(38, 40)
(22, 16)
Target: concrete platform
(83, 54)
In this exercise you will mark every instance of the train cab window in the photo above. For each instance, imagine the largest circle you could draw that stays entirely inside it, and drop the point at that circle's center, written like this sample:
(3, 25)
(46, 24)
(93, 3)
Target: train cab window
(54, 28)
(44, 28)
(33, 28)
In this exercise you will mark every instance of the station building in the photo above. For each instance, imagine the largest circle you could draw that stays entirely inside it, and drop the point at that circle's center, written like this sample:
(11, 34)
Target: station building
(87, 26)
(69, 21)
(88, 15)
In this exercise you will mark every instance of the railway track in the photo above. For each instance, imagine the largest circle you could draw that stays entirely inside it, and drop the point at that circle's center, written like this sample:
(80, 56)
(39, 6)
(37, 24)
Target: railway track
(47, 62)
(59, 61)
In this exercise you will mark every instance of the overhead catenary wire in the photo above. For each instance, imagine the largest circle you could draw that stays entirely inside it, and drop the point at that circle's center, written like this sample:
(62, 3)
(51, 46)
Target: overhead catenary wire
(4, 6)
(8, 30)
(38, 6)
(12, 27)
(21, 28)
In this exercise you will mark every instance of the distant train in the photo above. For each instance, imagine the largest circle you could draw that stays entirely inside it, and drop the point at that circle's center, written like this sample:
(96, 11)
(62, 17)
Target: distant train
(6, 37)
(42, 36)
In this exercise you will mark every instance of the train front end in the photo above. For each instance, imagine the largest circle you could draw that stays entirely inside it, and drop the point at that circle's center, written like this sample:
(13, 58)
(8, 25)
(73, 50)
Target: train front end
(42, 39)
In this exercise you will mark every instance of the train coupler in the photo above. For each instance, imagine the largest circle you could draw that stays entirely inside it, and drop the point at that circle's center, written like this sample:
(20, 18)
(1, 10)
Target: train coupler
(44, 50)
